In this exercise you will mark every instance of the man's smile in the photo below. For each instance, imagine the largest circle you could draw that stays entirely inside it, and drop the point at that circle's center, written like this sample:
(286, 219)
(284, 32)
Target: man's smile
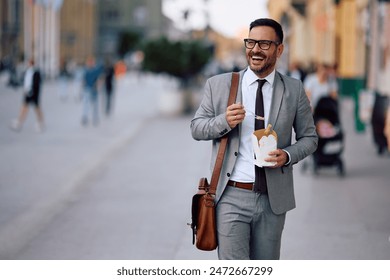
(258, 57)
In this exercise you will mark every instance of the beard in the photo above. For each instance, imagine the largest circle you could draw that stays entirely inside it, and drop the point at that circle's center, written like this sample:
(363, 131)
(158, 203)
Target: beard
(266, 66)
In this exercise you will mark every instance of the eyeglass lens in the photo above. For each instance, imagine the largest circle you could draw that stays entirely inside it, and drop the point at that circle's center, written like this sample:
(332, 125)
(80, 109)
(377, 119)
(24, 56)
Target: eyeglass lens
(264, 45)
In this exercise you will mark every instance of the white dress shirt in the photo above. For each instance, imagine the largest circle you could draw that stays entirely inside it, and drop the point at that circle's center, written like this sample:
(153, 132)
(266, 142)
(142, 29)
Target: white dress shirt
(244, 170)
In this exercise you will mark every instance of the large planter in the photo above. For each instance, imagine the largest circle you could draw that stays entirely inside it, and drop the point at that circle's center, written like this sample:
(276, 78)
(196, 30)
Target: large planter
(179, 100)
(171, 102)
(182, 60)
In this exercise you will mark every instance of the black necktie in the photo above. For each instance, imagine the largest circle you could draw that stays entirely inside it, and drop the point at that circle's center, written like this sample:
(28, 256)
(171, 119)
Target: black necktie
(260, 179)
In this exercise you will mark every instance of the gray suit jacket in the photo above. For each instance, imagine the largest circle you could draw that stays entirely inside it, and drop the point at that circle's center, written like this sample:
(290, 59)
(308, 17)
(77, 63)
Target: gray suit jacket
(290, 109)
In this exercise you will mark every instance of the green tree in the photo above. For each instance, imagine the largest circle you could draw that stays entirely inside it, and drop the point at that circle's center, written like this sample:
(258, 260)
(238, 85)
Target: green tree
(128, 41)
(181, 59)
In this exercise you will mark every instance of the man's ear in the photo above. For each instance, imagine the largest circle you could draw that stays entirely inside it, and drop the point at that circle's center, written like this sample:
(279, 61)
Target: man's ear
(280, 50)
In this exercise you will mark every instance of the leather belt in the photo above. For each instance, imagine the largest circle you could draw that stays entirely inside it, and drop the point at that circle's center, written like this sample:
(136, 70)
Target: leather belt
(245, 186)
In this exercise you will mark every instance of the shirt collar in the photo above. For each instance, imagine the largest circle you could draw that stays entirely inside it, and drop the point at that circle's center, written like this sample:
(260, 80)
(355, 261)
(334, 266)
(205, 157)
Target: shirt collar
(251, 77)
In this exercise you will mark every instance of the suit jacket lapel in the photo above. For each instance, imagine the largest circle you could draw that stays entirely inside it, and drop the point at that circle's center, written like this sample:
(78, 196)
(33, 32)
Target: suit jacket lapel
(277, 97)
(239, 93)
(239, 97)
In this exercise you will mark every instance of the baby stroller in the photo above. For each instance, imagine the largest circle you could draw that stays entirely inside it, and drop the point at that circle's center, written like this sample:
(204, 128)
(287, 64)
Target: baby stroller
(330, 136)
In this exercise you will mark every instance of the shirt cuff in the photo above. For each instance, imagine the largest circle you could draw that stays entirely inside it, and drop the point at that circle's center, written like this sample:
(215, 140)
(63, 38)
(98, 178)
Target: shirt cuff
(289, 157)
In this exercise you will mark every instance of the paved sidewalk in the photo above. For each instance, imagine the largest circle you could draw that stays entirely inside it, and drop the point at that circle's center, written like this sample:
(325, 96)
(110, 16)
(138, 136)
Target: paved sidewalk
(123, 190)
(41, 172)
(343, 218)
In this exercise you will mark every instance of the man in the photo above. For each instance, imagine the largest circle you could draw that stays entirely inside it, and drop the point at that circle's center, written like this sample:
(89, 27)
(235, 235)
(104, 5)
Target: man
(31, 88)
(109, 85)
(296, 71)
(320, 84)
(90, 94)
(387, 128)
(251, 201)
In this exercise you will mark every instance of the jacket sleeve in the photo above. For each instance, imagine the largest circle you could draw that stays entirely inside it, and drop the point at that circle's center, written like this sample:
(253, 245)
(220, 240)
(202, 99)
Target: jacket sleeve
(210, 121)
(305, 131)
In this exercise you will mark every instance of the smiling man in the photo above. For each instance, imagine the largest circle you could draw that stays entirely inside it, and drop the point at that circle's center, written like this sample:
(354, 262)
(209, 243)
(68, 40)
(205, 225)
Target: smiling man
(252, 201)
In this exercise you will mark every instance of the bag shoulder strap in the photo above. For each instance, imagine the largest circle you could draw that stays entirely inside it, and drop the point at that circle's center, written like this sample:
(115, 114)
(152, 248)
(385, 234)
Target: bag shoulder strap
(223, 144)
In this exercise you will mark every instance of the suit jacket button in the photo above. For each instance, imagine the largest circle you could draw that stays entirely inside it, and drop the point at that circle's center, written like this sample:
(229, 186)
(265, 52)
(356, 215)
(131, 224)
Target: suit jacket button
(228, 174)
(235, 153)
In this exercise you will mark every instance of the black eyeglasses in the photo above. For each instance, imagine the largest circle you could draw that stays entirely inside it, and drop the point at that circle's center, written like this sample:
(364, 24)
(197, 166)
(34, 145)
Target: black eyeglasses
(263, 44)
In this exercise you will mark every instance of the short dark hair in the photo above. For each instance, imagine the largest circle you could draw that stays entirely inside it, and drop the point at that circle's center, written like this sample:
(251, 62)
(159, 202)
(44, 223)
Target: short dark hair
(271, 23)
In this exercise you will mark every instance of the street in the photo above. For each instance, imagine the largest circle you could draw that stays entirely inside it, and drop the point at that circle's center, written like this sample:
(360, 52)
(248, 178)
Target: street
(123, 189)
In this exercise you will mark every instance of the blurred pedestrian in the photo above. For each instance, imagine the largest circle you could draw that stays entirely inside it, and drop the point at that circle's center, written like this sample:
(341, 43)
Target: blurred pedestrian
(332, 74)
(64, 78)
(319, 84)
(109, 74)
(252, 201)
(78, 82)
(137, 59)
(378, 121)
(120, 68)
(16, 73)
(387, 127)
(90, 94)
(296, 71)
(31, 88)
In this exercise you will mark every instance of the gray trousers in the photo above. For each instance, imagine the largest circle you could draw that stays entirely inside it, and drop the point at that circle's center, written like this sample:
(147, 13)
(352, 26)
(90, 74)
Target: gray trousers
(247, 228)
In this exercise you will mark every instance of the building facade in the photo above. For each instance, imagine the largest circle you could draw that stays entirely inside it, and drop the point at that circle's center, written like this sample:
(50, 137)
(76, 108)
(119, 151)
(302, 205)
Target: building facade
(53, 31)
(116, 17)
(78, 30)
(352, 34)
(10, 29)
